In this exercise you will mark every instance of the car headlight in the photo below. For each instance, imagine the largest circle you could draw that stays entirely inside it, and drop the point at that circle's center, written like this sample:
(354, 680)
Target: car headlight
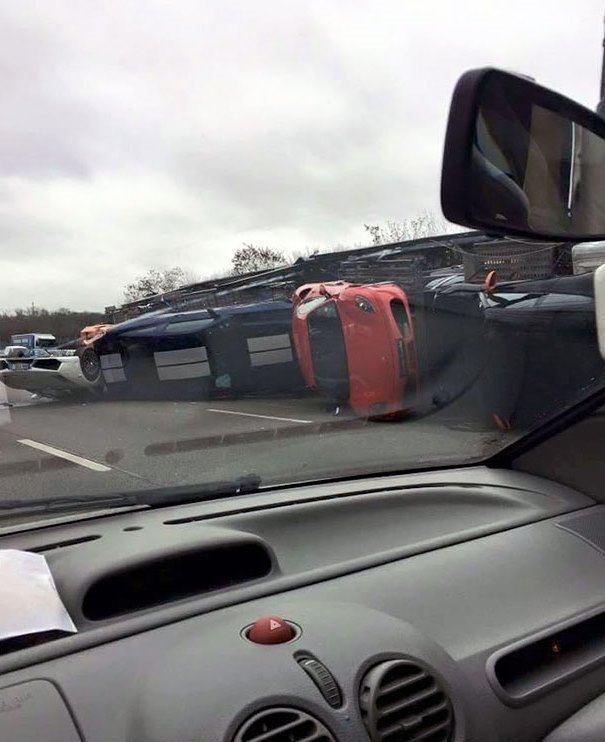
(364, 304)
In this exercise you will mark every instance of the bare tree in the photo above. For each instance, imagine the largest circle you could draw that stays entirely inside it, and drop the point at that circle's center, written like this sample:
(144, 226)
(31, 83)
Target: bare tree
(254, 258)
(63, 323)
(304, 253)
(157, 281)
(424, 224)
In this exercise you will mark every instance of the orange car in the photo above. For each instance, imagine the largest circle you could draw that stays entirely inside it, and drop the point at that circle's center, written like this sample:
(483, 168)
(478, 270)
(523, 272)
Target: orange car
(90, 333)
(356, 344)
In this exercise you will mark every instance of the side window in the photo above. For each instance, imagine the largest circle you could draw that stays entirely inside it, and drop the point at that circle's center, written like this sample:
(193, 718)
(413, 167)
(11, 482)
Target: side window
(400, 316)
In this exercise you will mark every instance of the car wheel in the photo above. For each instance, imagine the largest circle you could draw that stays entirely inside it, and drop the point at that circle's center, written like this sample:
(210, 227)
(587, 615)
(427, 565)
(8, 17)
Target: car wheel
(90, 365)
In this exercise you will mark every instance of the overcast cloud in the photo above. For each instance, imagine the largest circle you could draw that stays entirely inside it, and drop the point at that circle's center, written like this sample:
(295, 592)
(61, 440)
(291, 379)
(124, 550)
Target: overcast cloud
(137, 132)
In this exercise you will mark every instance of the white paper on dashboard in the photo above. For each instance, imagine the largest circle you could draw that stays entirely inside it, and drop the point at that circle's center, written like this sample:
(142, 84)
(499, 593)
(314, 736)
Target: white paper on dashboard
(29, 601)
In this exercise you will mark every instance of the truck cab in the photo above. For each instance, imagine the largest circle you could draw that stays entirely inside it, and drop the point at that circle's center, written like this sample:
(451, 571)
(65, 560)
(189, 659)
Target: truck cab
(27, 343)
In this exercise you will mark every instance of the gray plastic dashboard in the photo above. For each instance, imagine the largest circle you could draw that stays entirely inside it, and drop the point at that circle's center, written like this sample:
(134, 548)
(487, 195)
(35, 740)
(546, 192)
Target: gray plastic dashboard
(446, 568)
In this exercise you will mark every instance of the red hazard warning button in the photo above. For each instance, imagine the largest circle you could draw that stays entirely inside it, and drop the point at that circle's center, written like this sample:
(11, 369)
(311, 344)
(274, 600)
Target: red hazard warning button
(271, 630)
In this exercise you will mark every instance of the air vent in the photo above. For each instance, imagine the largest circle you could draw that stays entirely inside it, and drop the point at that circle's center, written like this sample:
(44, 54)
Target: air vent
(535, 664)
(48, 364)
(64, 544)
(162, 581)
(401, 701)
(283, 725)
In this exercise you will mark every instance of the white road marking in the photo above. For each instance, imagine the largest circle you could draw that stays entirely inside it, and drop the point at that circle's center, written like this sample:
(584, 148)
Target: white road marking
(264, 417)
(65, 455)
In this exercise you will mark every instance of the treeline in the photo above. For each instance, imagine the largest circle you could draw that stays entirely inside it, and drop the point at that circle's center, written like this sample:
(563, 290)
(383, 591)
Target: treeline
(64, 324)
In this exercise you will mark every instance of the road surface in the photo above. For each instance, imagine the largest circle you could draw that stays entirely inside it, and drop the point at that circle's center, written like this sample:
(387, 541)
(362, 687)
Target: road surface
(61, 448)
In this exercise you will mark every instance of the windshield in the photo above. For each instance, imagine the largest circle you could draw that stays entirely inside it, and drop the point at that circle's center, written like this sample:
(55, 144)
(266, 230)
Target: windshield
(24, 340)
(328, 352)
(223, 254)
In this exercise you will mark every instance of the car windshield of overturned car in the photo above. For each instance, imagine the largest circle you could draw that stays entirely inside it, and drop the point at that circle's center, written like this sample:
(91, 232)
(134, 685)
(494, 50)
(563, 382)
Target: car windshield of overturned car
(224, 255)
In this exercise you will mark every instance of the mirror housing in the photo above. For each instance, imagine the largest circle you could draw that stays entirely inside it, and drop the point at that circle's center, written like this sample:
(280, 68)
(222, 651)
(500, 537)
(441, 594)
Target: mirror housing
(522, 160)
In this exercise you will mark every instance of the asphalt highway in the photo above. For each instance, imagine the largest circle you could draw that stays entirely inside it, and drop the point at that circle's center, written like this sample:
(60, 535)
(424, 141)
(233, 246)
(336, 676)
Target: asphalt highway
(91, 447)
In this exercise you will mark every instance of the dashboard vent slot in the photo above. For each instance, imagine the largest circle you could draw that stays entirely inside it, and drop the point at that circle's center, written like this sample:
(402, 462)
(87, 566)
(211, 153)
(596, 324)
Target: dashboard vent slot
(175, 577)
(532, 666)
(401, 701)
(283, 725)
(64, 544)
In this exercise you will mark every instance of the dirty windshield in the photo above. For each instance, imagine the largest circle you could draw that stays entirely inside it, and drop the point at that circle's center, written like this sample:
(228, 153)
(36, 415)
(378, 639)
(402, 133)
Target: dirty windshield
(223, 254)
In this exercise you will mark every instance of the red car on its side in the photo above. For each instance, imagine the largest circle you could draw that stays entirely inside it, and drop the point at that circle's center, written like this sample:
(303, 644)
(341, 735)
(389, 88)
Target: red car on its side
(356, 344)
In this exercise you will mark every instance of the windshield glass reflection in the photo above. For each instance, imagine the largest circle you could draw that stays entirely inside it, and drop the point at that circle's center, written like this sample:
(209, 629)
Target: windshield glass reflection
(415, 354)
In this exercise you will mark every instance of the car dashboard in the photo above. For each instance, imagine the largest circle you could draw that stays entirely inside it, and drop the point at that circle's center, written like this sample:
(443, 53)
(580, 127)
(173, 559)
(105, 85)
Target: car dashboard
(465, 604)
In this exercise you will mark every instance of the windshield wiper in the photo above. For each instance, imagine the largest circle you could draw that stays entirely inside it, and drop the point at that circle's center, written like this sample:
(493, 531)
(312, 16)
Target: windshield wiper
(152, 498)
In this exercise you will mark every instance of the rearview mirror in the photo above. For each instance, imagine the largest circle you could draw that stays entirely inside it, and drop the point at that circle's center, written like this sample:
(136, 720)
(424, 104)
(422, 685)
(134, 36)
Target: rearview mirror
(522, 160)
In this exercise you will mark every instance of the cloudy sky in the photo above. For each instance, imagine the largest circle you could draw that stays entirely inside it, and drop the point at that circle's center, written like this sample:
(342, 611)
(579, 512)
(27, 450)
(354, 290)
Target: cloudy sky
(138, 133)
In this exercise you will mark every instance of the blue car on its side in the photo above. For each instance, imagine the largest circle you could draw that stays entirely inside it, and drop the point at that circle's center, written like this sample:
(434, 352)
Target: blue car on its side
(244, 349)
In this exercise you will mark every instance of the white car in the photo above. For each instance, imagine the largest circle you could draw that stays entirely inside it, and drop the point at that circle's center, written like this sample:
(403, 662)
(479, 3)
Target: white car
(15, 351)
(51, 374)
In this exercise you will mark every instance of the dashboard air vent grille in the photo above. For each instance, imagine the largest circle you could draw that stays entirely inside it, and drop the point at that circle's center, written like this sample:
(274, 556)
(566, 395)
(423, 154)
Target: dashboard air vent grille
(401, 701)
(283, 725)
